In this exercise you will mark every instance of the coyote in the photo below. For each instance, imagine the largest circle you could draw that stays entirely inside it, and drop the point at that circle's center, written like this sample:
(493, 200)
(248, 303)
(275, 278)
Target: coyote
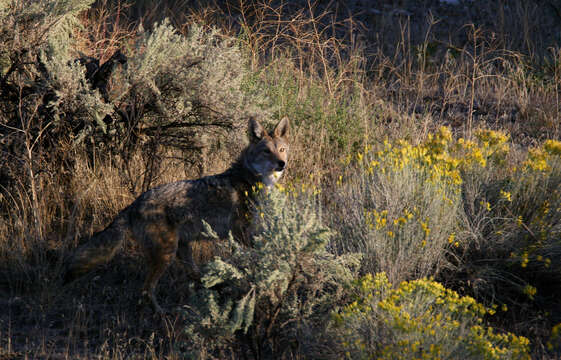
(173, 213)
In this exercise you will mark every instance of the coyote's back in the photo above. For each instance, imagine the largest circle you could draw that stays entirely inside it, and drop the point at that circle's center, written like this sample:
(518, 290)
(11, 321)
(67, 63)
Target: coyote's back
(164, 216)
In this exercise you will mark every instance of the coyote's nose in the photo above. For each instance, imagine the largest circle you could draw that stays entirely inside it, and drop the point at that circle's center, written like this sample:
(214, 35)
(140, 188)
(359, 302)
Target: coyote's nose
(281, 165)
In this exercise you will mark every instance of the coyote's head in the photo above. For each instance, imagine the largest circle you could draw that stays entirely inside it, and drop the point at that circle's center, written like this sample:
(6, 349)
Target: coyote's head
(267, 155)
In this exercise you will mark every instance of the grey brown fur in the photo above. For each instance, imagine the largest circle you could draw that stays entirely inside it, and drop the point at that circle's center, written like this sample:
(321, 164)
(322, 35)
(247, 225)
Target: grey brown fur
(164, 216)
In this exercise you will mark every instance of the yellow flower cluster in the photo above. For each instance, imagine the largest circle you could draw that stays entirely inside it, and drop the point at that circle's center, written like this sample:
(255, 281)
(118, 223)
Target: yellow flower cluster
(440, 157)
(506, 195)
(431, 158)
(554, 341)
(420, 319)
(495, 140)
(493, 144)
(488, 146)
(376, 219)
(452, 240)
(540, 158)
(537, 160)
(552, 147)
(496, 346)
(530, 291)
(472, 153)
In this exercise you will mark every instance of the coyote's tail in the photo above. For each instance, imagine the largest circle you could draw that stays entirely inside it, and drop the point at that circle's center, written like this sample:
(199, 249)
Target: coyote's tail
(99, 249)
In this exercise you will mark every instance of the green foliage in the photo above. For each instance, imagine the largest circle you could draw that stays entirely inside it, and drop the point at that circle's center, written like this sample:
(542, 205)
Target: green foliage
(419, 319)
(35, 55)
(179, 87)
(278, 292)
(182, 75)
(166, 91)
(69, 97)
(27, 24)
(171, 87)
(337, 112)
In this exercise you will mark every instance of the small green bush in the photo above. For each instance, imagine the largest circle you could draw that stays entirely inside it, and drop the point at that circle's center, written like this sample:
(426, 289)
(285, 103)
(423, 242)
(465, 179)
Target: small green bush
(419, 319)
(274, 297)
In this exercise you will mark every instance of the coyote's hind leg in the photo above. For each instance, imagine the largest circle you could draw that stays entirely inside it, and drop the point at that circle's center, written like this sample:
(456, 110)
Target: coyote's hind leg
(156, 269)
(160, 253)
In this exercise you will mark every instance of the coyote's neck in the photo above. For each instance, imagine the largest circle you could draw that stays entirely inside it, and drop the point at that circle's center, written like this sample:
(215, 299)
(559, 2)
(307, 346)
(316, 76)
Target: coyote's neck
(252, 175)
(242, 175)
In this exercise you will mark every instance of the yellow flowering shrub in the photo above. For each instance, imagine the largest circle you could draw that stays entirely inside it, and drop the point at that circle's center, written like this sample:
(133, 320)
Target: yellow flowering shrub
(432, 159)
(419, 319)
(473, 204)
(512, 211)
(408, 196)
(528, 213)
(406, 200)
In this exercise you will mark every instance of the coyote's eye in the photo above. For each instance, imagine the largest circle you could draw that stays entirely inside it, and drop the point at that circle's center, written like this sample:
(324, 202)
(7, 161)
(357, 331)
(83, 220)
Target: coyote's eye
(281, 150)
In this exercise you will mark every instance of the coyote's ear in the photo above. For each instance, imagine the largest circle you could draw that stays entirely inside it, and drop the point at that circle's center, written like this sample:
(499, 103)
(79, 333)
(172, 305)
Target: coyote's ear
(281, 130)
(256, 130)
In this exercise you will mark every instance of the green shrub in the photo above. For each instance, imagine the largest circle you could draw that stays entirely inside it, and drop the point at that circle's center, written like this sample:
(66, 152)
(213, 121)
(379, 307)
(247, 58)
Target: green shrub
(165, 91)
(419, 319)
(274, 297)
(182, 83)
(339, 112)
(39, 66)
